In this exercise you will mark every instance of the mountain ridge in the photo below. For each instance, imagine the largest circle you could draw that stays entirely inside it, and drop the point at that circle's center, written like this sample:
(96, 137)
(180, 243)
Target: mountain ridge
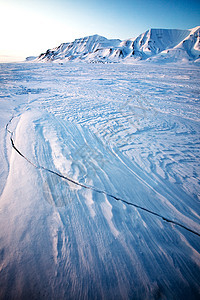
(156, 45)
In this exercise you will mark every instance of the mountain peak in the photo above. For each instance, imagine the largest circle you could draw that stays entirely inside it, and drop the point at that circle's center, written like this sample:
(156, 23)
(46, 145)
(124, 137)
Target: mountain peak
(156, 45)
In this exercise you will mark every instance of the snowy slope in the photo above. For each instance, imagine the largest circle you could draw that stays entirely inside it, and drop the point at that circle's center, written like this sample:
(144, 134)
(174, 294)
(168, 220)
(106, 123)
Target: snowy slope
(187, 50)
(159, 45)
(154, 41)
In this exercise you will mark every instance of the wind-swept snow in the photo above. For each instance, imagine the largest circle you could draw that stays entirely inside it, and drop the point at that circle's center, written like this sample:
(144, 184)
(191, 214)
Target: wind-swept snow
(99, 182)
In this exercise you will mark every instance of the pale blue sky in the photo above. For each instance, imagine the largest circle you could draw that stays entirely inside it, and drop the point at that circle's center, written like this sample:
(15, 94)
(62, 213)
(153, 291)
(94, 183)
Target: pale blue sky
(29, 27)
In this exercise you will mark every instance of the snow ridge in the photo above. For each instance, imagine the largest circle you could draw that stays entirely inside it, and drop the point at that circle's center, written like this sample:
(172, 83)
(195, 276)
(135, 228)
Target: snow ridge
(157, 45)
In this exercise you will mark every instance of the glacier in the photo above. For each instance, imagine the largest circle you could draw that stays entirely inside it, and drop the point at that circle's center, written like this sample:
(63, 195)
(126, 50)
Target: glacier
(100, 180)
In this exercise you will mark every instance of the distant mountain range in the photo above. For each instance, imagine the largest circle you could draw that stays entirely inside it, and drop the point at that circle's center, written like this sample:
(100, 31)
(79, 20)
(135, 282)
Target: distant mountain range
(156, 45)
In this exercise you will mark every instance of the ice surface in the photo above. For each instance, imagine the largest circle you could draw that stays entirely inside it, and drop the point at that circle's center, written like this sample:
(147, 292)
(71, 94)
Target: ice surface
(129, 130)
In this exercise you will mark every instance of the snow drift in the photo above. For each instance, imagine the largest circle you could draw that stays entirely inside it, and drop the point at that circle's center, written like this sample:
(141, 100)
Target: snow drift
(129, 130)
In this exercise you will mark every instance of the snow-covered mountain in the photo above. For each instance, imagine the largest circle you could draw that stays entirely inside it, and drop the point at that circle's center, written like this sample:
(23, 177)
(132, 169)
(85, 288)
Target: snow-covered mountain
(83, 48)
(187, 49)
(157, 45)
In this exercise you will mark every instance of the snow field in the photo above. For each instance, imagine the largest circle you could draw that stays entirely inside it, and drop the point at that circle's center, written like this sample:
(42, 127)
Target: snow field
(129, 130)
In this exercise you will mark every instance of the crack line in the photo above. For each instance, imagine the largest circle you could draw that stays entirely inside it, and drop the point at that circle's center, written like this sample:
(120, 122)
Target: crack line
(95, 189)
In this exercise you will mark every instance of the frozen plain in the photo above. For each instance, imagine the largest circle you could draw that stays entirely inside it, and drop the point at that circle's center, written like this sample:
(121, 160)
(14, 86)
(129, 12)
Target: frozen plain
(132, 131)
